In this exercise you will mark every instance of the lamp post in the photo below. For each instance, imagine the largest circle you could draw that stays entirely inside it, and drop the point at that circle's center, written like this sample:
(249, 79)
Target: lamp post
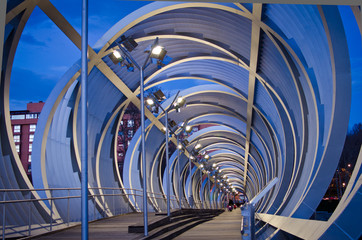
(188, 129)
(190, 176)
(202, 197)
(151, 101)
(154, 52)
(84, 119)
(208, 183)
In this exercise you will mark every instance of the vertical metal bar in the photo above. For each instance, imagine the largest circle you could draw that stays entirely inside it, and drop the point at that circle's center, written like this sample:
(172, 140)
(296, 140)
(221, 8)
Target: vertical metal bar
(68, 207)
(208, 183)
(179, 172)
(84, 119)
(4, 215)
(104, 206)
(144, 172)
(201, 194)
(2, 27)
(113, 197)
(29, 217)
(51, 214)
(94, 208)
(167, 168)
(190, 176)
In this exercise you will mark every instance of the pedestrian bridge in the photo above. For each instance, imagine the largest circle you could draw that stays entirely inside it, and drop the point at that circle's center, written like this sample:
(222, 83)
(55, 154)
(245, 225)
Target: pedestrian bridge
(266, 94)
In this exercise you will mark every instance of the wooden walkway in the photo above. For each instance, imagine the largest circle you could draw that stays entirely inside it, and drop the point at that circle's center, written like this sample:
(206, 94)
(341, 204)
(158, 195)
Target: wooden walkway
(226, 225)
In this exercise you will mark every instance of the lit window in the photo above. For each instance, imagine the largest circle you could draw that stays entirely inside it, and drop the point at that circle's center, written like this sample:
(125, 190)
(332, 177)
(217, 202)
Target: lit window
(17, 117)
(130, 133)
(30, 147)
(30, 116)
(31, 137)
(32, 127)
(16, 138)
(122, 122)
(130, 123)
(29, 158)
(17, 128)
(17, 148)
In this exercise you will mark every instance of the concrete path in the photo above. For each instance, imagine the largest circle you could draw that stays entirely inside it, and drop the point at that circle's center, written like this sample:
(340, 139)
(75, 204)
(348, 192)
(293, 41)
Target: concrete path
(225, 226)
(109, 228)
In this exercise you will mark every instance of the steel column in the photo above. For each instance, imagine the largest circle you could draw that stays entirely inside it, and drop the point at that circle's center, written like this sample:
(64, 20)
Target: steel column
(190, 173)
(179, 172)
(144, 172)
(167, 167)
(84, 120)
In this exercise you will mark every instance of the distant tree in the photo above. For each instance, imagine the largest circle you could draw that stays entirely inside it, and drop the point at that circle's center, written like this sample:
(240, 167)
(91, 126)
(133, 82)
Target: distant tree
(351, 147)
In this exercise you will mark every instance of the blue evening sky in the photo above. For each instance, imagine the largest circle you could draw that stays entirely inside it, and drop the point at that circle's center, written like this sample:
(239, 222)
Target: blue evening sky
(44, 53)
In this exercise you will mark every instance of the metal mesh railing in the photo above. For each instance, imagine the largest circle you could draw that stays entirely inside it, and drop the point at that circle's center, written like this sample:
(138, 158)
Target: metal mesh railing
(26, 212)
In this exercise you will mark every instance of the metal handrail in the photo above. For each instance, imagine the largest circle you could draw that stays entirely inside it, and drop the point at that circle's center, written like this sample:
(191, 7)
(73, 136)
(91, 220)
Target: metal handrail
(101, 209)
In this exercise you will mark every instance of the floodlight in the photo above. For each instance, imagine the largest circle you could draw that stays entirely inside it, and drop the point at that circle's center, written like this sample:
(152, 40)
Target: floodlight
(192, 157)
(214, 165)
(180, 101)
(198, 146)
(179, 146)
(150, 101)
(158, 52)
(117, 54)
(188, 129)
(207, 157)
(201, 165)
(116, 57)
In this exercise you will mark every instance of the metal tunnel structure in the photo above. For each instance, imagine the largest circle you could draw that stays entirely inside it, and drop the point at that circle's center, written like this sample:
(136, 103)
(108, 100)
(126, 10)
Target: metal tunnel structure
(271, 81)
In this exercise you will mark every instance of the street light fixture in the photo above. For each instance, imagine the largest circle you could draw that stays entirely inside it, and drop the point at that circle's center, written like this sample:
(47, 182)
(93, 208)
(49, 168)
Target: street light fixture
(151, 101)
(130, 44)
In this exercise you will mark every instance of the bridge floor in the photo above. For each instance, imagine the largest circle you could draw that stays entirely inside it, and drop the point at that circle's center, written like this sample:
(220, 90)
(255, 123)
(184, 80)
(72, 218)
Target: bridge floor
(226, 225)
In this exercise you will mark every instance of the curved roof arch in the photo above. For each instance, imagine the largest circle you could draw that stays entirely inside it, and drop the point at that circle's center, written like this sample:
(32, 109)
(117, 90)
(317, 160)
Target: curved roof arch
(273, 101)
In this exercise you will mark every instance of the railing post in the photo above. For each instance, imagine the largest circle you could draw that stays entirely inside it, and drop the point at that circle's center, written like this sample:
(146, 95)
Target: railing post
(113, 197)
(68, 206)
(104, 205)
(248, 228)
(94, 208)
(29, 217)
(4, 215)
(51, 214)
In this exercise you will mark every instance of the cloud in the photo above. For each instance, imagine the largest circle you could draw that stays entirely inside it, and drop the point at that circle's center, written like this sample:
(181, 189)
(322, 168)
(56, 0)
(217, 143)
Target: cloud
(60, 69)
(29, 39)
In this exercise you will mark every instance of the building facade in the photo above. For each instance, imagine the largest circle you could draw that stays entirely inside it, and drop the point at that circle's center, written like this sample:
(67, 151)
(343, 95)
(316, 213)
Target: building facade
(23, 124)
(129, 124)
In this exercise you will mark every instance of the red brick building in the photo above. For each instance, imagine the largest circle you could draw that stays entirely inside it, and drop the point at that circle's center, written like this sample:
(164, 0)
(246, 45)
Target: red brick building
(24, 125)
(130, 122)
